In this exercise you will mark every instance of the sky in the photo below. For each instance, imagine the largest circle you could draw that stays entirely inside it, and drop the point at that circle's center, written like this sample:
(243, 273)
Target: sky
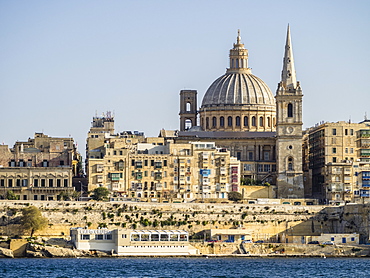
(64, 62)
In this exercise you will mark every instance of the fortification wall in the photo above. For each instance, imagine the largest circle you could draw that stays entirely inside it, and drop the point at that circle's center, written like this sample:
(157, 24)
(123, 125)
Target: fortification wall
(268, 222)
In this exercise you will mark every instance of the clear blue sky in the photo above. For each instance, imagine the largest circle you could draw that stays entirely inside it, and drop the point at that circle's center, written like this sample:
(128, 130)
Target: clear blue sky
(63, 61)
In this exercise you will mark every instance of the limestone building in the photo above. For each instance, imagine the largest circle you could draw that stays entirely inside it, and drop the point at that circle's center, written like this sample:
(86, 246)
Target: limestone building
(339, 161)
(157, 169)
(240, 113)
(39, 169)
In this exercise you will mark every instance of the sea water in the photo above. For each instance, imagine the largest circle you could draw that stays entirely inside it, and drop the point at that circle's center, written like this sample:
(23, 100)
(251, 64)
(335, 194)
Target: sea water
(185, 267)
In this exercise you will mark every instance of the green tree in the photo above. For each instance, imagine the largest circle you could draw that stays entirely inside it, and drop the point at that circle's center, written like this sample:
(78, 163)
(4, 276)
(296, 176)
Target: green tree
(100, 193)
(10, 195)
(234, 196)
(32, 220)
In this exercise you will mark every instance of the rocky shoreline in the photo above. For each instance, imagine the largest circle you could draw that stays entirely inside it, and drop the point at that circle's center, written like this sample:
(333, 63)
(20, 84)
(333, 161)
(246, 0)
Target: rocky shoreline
(61, 248)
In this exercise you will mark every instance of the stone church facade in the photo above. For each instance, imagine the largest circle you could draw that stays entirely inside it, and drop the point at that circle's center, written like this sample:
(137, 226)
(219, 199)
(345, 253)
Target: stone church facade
(240, 113)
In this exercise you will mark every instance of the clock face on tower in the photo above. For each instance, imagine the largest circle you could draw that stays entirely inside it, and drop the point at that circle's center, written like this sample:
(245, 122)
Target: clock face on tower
(289, 129)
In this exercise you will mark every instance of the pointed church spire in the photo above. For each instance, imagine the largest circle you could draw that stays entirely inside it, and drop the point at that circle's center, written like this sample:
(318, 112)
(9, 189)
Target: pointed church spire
(288, 75)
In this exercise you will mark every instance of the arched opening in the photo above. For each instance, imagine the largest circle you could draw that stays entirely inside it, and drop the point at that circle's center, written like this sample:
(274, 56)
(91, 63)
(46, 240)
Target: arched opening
(246, 121)
(290, 110)
(253, 121)
(229, 121)
(207, 123)
(222, 121)
(214, 122)
(188, 106)
(261, 121)
(268, 121)
(290, 164)
(188, 124)
(237, 121)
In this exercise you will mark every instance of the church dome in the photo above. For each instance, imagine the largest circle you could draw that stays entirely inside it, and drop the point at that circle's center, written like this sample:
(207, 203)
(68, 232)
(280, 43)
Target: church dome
(238, 100)
(238, 88)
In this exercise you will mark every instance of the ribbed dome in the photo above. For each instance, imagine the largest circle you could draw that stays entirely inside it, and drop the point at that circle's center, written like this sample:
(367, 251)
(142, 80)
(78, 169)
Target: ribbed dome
(238, 88)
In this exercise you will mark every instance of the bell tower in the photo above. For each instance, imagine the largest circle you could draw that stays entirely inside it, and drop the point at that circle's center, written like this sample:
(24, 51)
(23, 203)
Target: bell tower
(188, 109)
(289, 129)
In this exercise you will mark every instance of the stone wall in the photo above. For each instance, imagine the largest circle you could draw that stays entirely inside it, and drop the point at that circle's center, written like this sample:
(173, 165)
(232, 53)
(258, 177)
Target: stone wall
(266, 222)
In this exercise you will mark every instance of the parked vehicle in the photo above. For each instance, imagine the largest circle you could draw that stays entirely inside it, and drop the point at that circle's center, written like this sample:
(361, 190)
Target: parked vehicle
(328, 243)
(314, 242)
(259, 241)
(247, 241)
(228, 240)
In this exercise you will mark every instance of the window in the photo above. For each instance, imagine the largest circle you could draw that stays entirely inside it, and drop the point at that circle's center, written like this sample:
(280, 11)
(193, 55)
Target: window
(164, 163)
(99, 237)
(222, 121)
(207, 123)
(261, 121)
(346, 132)
(83, 237)
(266, 167)
(250, 155)
(351, 131)
(334, 131)
(334, 150)
(214, 122)
(2, 182)
(247, 167)
(334, 159)
(253, 121)
(260, 167)
(10, 183)
(65, 182)
(59, 182)
(51, 182)
(45, 163)
(268, 121)
(18, 182)
(266, 155)
(346, 150)
(108, 236)
(290, 166)
(229, 121)
(237, 121)
(290, 110)
(43, 182)
(245, 121)
(351, 150)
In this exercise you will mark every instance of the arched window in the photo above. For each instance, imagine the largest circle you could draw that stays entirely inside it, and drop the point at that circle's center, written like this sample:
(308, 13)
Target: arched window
(290, 164)
(246, 121)
(214, 122)
(222, 121)
(188, 106)
(253, 121)
(268, 121)
(290, 110)
(229, 121)
(207, 123)
(188, 124)
(237, 121)
(261, 121)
